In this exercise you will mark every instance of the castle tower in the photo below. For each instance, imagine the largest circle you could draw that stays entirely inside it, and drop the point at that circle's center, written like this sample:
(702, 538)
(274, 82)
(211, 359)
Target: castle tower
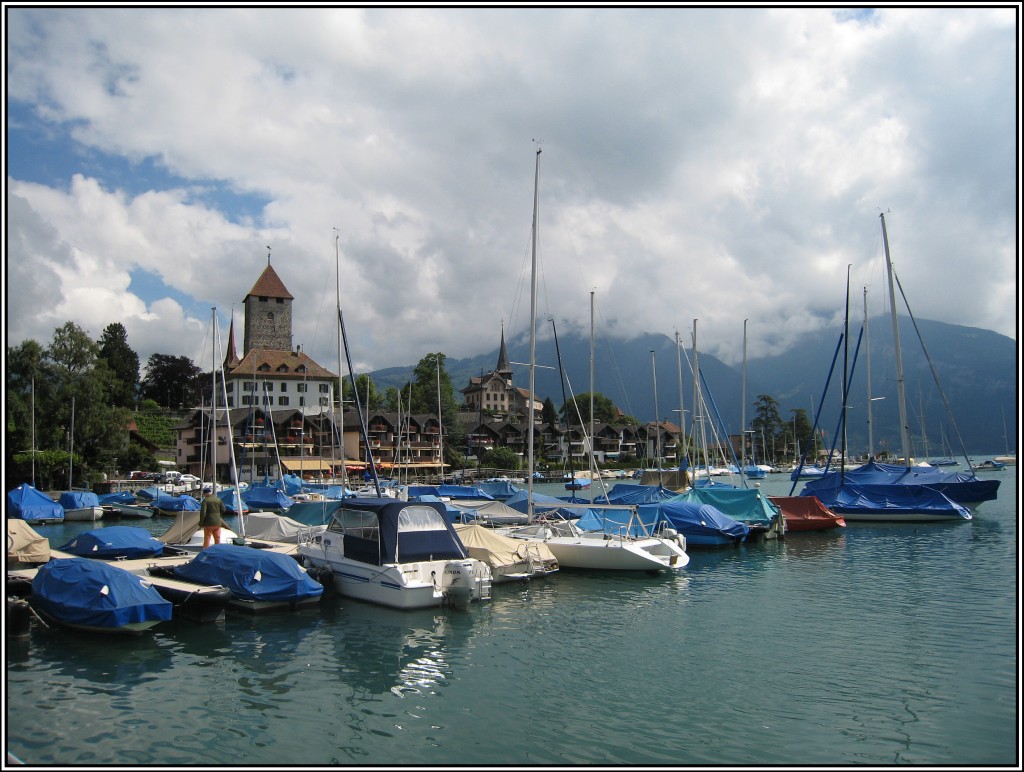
(268, 314)
(503, 368)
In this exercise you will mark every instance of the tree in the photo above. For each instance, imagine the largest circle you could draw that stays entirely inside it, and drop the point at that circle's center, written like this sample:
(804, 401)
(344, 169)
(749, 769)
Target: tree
(500, 458)
(548, 414)
(122, 362)
(432, 383)
(171, 380)
(604, 409)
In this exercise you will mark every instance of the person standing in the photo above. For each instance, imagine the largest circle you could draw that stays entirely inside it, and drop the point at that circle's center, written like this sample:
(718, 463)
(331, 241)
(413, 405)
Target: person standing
(211, 518)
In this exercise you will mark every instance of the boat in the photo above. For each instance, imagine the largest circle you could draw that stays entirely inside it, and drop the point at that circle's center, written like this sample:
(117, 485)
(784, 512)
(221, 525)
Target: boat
(877, 492)
(509, 559)
(749, 506)
(578, 484)
(401, 554)
(124, 504)
(28, 504)
(260, 580)
(389, 551)
(632, 546)
(114, 542)
(95, 596)
(172, 506)
(989, 465)
(81, 506)
(807, 513)
(25, 547)
(702, 525)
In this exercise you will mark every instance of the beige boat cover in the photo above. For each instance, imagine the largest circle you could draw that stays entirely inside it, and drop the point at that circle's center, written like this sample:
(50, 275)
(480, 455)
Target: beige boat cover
(497, 550)
(271, 526)
(24, 545)
(185, 524)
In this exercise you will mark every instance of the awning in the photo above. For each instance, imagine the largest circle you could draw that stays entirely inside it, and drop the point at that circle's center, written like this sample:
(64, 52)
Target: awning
(306, 464)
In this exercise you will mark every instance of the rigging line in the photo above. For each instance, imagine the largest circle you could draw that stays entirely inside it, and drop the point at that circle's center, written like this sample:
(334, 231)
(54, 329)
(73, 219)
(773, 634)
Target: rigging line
(935, 375)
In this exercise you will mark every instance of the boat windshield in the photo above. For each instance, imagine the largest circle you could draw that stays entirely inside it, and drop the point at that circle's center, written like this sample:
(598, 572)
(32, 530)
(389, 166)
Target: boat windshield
(419, 518)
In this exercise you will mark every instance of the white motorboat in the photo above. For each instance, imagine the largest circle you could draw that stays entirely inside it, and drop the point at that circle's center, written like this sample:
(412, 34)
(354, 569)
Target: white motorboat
(395, 553)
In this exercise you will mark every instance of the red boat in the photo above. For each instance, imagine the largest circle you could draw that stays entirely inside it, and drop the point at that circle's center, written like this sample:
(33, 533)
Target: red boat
(807, 513)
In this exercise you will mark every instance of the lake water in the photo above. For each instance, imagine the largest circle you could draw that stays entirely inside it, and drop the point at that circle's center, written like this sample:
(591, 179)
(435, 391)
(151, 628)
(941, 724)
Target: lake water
(868, 645)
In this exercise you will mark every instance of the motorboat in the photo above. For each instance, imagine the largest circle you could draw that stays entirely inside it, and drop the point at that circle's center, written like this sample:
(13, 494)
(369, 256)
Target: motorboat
(807, 513)
(260, 580)
(115, 542)
(27, 503)
(402, 554)
(81, 506)
(509, 559)
(95, 596)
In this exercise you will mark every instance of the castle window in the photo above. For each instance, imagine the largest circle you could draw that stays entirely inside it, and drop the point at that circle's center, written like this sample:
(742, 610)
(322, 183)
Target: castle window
(282, 400)
(284, 387)
(263, 367)
(282, 369)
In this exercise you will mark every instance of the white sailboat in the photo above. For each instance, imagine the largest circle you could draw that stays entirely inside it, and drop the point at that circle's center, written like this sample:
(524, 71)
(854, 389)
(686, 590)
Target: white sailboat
(574, 548)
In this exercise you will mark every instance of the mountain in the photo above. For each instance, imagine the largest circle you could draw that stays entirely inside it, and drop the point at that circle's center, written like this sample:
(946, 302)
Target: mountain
(976, 369)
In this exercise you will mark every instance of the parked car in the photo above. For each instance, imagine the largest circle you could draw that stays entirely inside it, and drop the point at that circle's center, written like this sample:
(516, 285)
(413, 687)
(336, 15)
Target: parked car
(188, 479)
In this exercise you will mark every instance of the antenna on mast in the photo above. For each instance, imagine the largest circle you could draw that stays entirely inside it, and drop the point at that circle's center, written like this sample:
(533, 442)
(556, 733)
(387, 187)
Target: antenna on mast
(268, 254)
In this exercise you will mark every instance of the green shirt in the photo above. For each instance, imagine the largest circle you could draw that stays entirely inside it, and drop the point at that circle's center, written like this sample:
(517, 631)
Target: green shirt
(211, 512)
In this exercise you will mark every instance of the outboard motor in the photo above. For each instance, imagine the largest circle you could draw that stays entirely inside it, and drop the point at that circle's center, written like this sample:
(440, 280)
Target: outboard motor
(458, 583)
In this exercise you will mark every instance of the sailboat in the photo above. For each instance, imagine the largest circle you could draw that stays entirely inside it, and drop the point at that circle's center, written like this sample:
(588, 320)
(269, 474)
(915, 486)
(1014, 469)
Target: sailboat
(877, 492)
(629, 546)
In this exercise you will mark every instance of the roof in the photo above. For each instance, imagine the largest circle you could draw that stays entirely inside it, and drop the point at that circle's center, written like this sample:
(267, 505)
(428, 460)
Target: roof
(279, 364)
(270, 285)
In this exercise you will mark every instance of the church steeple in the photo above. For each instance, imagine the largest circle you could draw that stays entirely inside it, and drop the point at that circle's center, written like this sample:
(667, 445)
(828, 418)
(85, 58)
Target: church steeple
(231, 360)
(503, 368)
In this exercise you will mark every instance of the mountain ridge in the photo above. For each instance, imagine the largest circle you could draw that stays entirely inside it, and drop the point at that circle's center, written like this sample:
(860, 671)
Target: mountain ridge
(976, 370)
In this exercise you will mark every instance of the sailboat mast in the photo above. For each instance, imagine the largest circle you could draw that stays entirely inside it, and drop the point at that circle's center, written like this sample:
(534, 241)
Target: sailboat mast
(213, 403)
(867, 343)
(339, 421)
(533, 342)
(593, 458)
(683, 451)
(743, 412)
(657, 422)
(900, 385)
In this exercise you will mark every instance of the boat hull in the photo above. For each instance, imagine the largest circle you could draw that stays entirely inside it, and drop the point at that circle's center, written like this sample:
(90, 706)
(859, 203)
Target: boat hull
(84, 514)
(423, 584)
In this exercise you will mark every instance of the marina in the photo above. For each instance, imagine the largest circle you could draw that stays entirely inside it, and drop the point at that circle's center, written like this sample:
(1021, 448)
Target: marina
(872, 644)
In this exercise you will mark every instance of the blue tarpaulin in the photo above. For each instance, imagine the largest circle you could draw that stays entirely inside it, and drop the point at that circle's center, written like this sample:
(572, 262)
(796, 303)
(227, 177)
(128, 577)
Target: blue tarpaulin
(251, 574)
(114, 541)
(91, 593)
(29, 504)
(701, 524)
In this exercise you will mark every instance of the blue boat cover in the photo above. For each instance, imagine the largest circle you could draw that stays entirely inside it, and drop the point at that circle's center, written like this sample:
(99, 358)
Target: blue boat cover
(409, 531)
(623, 493)
(266, 497)
(91, 593)
(251, 574)
(961, 487)
(450, 491)
(233, 501)
(29, 504)
(291, 484)
(78, 499)
(701, 524)
(619, 523)
(498, 489)
(152, 493)
(851, 499)
(314, 512)
(115, 541)
(183, 503)
(747, 505)
(119, 497)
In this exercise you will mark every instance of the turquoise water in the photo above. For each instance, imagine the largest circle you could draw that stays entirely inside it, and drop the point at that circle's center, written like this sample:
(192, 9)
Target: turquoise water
(869, 645)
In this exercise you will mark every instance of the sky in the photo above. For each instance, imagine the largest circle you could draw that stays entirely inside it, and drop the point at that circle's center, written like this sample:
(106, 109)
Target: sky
(714, 164)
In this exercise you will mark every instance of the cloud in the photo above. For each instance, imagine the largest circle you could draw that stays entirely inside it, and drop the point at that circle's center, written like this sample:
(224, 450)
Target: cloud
(698, 163)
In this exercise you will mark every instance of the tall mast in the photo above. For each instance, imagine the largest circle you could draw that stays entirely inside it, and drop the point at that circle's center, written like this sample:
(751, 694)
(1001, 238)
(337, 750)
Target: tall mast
(867, 344)
(900, 385)
(593, 459)
(657, 422)
(533, 342)
(743, 412)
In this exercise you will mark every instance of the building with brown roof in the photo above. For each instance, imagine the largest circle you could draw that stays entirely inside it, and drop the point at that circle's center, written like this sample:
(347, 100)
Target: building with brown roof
(271, 373)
